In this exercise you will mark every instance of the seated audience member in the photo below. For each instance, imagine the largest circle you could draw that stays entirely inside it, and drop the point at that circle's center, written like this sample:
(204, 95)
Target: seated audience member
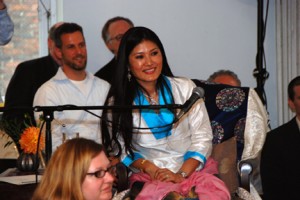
(247, 120)
(78, 169)
(279, 172)
(170, 160)
(6, 25)
(26, 80)
(225, 77)
(112, 33)
(73, 85)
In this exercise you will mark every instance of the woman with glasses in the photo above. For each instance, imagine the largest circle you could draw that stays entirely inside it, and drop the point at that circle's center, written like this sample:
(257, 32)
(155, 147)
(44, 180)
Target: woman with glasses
(78, 169)
(165, 154)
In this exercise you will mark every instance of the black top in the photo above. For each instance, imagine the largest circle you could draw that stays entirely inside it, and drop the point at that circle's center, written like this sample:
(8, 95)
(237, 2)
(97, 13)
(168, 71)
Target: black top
(26, 80)
(106, 72)
(280, 171)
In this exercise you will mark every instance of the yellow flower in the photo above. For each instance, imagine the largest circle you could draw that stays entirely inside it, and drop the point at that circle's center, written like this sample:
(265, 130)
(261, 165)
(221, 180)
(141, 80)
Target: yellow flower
(29, 139)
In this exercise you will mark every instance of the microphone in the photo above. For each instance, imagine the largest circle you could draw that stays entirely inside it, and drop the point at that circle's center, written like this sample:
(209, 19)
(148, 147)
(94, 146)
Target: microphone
(198, 93)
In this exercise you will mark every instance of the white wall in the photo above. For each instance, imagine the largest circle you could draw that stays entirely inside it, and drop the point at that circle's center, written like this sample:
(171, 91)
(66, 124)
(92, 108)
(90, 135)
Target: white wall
(199, 36)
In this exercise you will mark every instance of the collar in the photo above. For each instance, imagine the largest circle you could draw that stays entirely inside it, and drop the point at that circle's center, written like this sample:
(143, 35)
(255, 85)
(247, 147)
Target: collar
(60, 75)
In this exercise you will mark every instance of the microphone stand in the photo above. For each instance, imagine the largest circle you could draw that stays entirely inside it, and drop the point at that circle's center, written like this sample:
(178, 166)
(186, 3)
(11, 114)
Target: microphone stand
(49, 110)
(48, 117)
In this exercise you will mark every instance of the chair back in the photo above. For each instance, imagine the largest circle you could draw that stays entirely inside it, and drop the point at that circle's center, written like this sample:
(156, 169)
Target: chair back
(239, 122)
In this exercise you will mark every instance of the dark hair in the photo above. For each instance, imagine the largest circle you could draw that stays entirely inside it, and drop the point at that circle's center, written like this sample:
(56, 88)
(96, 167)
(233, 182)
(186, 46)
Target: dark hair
(124, 91)
(63, 29)
(295, 82)
(105, 35)
(224, 72)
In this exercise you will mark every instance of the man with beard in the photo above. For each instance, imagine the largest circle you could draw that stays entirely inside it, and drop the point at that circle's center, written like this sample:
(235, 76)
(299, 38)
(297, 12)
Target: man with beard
(72, 84)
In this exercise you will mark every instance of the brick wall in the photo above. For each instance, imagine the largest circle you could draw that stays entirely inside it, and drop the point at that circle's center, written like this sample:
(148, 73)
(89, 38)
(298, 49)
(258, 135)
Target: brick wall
(24, 44)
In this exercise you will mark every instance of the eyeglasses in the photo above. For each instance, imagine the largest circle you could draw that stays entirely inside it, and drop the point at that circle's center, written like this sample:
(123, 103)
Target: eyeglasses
(118, 38)
(101, 173)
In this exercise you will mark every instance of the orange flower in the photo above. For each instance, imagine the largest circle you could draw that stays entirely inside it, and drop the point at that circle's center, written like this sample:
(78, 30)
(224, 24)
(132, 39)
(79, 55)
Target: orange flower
(29, 138)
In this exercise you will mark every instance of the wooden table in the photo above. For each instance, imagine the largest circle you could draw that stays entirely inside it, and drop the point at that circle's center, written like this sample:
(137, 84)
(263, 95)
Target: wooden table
(16, 192)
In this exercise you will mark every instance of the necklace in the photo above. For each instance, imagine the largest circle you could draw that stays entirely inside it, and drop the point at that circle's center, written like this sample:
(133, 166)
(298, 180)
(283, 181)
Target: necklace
(152, 101)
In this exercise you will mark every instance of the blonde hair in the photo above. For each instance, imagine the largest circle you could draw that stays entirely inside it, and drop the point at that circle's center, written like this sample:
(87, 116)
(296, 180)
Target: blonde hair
(67, 169)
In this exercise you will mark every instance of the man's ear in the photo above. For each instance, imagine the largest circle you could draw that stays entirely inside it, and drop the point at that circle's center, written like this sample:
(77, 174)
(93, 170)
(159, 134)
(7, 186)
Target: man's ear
(58, 52)
(109, 46)
(291, 105)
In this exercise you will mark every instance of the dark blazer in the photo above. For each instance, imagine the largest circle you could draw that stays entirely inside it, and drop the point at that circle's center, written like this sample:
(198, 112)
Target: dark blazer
(26, 80)
(106, 72)
(280, 172)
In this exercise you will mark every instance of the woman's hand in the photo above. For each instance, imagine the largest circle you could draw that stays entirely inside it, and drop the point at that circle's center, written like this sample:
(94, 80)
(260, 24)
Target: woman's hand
(156, 173)
(165, 175)
(151, 169)
(114, 160)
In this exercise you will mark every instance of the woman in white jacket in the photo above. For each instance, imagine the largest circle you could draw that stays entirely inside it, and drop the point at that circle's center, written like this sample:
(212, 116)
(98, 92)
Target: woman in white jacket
(166, 156)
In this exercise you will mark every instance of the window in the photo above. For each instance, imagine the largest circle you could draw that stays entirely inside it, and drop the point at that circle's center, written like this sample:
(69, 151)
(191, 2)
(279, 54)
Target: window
(32, 20)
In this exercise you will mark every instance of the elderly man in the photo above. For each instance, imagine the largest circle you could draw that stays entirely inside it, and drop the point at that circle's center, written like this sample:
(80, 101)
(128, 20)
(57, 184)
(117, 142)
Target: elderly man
(225, 77)
(112, 33)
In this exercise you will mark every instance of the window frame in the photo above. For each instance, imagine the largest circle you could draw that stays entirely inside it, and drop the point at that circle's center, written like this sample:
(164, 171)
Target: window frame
(54, 9)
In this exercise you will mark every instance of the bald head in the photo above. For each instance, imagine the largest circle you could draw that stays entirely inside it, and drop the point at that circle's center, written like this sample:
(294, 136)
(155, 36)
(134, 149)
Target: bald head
(226, 77)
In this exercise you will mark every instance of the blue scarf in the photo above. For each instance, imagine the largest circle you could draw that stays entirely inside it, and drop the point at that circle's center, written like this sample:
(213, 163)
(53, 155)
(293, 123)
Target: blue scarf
(157, 122)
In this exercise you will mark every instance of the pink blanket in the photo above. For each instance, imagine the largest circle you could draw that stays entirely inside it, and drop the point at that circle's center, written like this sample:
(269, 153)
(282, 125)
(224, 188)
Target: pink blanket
(207, 186)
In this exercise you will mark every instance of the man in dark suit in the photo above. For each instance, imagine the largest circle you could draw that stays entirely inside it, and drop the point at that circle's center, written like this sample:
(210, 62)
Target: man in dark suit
(112, 33)
(279, 170)
(27, 78)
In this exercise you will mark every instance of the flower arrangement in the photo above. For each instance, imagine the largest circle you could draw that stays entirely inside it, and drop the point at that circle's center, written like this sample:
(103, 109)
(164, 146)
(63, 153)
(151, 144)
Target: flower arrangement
(29, 140)
(25, 135)
(14, 128)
